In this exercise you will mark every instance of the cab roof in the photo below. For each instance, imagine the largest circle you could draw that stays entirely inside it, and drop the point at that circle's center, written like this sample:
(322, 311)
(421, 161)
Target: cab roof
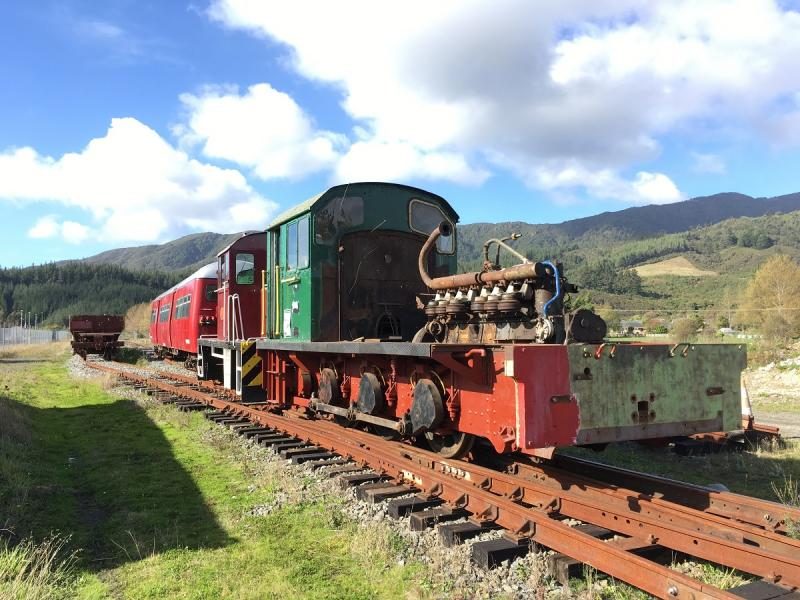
(237, 240)
(307, 205)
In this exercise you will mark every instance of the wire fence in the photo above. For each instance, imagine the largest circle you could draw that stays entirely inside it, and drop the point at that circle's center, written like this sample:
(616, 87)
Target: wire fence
(10, 336)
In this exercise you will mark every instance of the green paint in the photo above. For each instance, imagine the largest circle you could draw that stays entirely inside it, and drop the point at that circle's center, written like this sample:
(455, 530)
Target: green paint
(309, 296)
(643, 386)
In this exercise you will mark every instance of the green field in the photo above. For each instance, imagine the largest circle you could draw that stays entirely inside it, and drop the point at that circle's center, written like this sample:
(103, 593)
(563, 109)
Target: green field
(153, 503)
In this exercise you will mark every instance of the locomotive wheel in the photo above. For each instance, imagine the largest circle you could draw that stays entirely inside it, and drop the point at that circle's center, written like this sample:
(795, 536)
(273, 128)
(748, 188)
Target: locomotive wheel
(452, 445)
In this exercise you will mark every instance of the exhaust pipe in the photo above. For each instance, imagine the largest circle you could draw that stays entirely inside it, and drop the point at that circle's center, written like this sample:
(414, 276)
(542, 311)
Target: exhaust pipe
(475, 278)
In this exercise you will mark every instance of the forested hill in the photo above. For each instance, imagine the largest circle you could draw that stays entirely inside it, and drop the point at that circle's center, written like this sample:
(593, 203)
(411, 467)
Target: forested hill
(602, 253)
(609, 228)
(56, 291)
(187, 253)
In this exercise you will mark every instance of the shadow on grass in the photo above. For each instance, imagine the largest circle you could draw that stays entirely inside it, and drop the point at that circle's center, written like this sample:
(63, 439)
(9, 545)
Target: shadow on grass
(105, 475)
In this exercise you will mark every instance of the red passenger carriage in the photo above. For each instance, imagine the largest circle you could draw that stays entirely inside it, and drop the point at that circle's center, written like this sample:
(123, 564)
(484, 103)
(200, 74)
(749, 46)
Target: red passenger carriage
(182, 314)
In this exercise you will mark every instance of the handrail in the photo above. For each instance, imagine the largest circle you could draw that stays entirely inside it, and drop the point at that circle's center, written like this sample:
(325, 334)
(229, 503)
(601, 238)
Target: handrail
(234, 318)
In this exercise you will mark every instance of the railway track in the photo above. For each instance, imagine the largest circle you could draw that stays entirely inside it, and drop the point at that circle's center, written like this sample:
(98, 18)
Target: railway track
(627, 525)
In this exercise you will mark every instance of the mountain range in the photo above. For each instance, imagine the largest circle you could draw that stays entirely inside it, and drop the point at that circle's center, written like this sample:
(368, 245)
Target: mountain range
(697, 255)
(607, 229)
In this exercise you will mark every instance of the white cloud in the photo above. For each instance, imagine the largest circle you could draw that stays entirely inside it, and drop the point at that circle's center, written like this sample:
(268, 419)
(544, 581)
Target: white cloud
(73, 232)
(375, 160)
(45, 227)
(530, 84)
(135, 187)
(70, 231)
(263, 129)
(644, 188)
(99, 30)
(708, 163)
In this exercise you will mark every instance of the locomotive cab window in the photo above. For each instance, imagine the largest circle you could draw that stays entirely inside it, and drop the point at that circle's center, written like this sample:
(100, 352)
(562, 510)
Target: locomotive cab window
(338, 215)
(244, 268)
(297, 239)
(222, 269)
(424, 218)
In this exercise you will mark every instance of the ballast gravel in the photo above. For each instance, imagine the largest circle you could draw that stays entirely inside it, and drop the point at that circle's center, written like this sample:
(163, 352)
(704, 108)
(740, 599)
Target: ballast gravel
(447, 572)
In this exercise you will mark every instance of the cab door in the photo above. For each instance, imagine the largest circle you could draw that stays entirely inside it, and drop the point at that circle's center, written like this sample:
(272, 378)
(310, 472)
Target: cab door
(273, 313)
(222, 295)
(294, 292)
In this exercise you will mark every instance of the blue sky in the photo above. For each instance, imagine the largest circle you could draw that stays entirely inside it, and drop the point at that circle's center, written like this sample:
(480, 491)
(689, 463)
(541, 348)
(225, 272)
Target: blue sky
(124, 123)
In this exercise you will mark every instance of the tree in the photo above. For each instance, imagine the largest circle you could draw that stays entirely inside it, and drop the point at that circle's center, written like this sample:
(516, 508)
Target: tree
(684, 330)
(137, 320)
(772, 298)
(610, 316)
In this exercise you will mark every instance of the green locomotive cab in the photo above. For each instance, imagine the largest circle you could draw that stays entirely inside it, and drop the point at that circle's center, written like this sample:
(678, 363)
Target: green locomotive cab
(343, 265)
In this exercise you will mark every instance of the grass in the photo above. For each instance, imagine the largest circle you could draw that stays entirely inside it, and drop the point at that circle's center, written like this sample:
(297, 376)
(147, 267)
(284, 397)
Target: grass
(678, 266)
(34, 351)
(153, 503)
(788, 493)
(32, 571)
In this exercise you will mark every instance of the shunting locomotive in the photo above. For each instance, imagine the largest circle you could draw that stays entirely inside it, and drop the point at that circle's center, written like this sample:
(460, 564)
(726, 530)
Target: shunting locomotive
(349, 307)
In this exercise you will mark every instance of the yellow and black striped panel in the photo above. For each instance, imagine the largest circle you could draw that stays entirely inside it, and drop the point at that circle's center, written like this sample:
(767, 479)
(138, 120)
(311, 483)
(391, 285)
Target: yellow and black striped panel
(251, 365)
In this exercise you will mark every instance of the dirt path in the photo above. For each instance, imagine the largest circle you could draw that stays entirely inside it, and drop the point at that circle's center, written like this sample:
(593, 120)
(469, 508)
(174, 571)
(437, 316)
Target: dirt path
(774, 391)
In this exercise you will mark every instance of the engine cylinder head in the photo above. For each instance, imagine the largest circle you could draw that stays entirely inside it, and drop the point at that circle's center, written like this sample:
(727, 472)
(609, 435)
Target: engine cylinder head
(478, 305)
(510, 303)
(457, 307)
(492, 303)
(430, 309)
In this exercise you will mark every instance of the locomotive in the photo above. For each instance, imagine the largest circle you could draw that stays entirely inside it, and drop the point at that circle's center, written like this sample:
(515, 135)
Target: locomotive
(349, 307)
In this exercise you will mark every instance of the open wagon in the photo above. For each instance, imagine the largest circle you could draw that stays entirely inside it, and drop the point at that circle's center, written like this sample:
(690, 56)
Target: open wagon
(96, 334)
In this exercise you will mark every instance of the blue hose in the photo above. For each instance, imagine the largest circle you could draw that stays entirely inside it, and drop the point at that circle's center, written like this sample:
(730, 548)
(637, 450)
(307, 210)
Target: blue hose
(558, 285)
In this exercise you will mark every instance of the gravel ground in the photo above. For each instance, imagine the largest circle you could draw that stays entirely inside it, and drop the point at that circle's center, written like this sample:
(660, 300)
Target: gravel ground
(449, 571)
(775, 395)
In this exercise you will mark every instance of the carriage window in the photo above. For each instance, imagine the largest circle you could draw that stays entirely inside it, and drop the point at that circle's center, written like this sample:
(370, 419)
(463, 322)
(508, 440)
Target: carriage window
(339, 214)
(244, 268)
(182, 307)
(424, 218)
(153, 316)
(211, 292)
(163, 316)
